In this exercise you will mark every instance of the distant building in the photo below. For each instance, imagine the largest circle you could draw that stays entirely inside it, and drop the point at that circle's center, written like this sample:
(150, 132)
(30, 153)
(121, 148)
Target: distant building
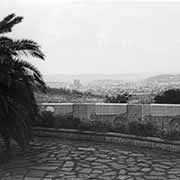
(76, 84)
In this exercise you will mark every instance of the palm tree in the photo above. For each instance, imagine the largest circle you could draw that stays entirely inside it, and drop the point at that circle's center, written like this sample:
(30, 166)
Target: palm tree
(18, 79)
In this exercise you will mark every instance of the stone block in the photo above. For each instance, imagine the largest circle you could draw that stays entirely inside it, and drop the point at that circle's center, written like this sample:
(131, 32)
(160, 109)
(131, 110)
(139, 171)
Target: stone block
(63, 109)
(84, 111)
(134, 112)
(146, 110)
(176, 110)
(158, 110)
(110, 109)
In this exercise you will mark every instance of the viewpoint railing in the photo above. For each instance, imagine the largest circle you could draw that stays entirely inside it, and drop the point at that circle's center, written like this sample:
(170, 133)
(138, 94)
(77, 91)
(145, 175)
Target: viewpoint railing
(162, 115)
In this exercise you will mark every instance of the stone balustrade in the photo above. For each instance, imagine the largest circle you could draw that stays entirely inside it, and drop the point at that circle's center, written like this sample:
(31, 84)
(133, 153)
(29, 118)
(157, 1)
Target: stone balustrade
(162, 115)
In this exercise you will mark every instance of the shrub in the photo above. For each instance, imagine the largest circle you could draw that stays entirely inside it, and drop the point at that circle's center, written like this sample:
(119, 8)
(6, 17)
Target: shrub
(170, 96)
(119, 98)
(100, 126)
(145, 129)
(47, 119)
(66, 121)
(171, 135)
(142, 129)
(58, 121)
(120, 128)
(84, 126)
(95, 126)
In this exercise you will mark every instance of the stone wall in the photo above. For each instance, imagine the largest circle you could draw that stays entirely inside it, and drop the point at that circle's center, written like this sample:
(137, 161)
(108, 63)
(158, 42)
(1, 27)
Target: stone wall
(164, 116)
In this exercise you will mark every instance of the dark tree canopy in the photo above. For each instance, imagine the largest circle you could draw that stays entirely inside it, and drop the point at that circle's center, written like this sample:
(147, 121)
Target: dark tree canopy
(119, 98)
(170, 96)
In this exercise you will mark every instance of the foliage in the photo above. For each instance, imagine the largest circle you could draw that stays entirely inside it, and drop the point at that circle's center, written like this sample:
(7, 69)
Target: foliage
(97, 126)
(67, 121)
(134, 127)
(100, 126)
(58, 121)
(170, 96)
(171, 135)
(119, 98)
(66, 95)
(142, 128)
(120, 128)
(47, 119)
(84, 126)
(63, 91)
(18, 79)
(69, 92)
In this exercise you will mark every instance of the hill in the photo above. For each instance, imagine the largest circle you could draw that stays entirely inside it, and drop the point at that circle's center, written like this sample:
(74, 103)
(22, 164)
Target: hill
(164, 78)
(86, 78)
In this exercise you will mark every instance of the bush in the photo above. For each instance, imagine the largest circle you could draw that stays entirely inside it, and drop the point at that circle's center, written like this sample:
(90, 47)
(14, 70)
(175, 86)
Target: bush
(145, 129)
(100, 126)
(119, 98)
(84, 126)
(142, 129)
(120, 127)
(94, 126)
(171, 135)
(47, 119)
(171, 96)
(66, 121)
(58, 121)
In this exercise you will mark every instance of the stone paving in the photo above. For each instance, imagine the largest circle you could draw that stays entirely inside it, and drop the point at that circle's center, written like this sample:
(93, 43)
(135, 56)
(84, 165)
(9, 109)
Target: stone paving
(56, 159)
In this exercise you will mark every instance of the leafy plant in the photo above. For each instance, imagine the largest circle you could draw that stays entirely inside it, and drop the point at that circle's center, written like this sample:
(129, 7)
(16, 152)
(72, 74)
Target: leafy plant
(47, 119)
(18, 79)
(58, 121)
(66, 121)
(119, 98)
(100, 126)
(170, 96)
(171, 135)
(94, 126)
(120, 128)
(142, 128)
(84, 126)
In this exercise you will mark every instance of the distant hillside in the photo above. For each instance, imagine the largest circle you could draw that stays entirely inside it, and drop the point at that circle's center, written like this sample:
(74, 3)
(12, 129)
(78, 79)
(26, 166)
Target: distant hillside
(63, 95)
(164, 78)
(86, 78)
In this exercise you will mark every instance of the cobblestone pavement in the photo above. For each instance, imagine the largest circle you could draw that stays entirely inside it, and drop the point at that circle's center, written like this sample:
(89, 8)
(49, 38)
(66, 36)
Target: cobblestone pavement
(56, 159)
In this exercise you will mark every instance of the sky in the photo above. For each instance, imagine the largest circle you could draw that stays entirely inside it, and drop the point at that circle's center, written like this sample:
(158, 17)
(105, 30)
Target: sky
(100, 36)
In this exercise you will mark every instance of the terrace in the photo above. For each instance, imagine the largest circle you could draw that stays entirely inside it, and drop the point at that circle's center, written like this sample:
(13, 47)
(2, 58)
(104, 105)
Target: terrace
(77, 154)
(57, 159)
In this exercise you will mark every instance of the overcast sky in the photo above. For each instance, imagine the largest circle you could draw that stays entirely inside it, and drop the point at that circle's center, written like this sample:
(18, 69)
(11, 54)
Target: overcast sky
(101, 36)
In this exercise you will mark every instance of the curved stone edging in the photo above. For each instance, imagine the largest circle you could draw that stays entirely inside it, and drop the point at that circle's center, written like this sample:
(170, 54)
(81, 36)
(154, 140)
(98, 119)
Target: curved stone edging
(151, 142)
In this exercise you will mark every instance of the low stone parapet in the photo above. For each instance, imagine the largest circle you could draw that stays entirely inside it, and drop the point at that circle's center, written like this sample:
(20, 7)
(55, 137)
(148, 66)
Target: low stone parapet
(163, 116)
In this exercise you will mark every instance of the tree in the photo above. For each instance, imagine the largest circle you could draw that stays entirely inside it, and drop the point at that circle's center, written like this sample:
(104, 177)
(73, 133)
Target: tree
(18, 79)
(170, 96)
(119, 98)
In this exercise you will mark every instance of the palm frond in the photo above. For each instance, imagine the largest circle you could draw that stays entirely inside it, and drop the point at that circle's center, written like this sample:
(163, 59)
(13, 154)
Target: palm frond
(28, 47)
(37, 76)
(8, 22)
(20, 64)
